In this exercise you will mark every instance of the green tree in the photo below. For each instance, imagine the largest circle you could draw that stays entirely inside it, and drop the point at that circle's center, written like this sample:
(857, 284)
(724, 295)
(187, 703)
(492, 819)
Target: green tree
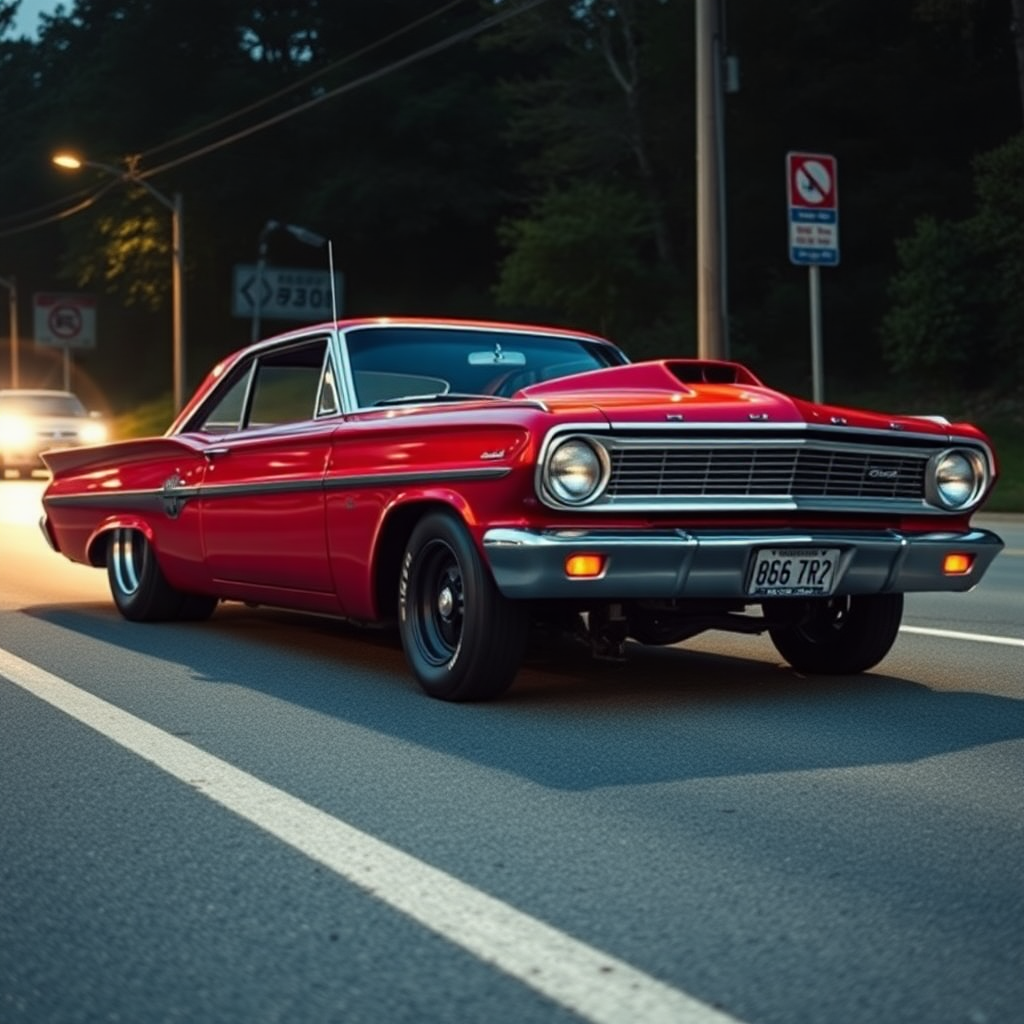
(579, 254)
(957, 313)
(594, 120)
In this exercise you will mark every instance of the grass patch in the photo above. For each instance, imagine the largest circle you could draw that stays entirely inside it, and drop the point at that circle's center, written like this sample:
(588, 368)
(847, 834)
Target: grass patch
(1008, 440)
(149, 420)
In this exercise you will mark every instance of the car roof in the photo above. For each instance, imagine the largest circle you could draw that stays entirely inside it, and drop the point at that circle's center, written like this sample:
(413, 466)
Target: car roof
(519, 327)
(36, 393)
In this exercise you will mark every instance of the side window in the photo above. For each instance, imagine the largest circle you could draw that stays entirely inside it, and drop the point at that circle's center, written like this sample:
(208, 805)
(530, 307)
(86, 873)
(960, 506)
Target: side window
(284, 385)
(225, 416)
(283, 393)
(328, 404)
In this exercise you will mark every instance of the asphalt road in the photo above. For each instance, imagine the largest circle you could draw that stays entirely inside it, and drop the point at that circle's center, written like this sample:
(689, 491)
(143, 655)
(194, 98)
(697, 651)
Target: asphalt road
(262, 819)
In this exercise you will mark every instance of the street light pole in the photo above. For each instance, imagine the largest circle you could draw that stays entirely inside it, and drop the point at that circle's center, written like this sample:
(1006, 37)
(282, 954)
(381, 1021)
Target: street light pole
(301, 234)
(130, 176)
(9, 284)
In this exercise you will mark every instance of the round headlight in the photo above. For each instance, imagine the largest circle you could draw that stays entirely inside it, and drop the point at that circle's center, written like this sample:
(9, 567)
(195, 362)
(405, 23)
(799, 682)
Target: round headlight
(575, 471)
(959, 478)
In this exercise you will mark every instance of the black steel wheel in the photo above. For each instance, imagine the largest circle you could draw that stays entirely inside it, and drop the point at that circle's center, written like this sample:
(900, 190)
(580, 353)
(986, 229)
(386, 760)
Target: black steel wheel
(463, 640)
(139, 587)
(839, 635)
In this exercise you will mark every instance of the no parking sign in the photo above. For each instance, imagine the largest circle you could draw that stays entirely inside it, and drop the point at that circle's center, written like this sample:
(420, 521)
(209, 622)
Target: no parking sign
(813, 197)
(65, 320)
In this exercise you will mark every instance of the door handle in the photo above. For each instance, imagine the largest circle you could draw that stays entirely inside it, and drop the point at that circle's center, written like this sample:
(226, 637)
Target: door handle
(212, 453)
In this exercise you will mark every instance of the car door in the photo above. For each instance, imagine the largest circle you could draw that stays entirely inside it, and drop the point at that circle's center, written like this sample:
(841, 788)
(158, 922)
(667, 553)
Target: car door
(267, 444)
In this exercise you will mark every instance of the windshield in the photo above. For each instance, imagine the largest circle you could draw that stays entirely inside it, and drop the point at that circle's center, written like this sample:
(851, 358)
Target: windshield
(390, 363)
(41, 405)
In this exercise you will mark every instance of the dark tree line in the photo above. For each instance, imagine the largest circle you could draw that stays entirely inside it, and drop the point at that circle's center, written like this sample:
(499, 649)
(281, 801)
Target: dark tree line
(525, 160)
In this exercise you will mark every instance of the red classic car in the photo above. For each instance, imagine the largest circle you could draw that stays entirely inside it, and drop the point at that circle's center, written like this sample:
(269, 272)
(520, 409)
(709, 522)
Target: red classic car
(472, 480)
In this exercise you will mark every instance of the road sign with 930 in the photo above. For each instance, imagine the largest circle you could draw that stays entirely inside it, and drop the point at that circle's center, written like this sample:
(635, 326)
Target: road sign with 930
(793, 572)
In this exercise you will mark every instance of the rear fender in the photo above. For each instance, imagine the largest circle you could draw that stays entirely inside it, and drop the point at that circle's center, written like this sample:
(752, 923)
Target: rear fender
(96, 547)
(64, 462)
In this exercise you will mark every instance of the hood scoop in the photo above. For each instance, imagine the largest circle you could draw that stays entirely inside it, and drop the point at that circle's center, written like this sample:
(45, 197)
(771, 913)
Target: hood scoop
(655, 375)
(711, 371)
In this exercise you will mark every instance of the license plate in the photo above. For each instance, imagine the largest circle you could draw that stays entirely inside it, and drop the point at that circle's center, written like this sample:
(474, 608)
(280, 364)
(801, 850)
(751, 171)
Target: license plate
(793, 572)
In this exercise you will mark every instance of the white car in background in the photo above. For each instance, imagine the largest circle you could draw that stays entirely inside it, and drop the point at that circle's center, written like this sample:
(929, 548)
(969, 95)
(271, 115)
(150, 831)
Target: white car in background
(37, 420)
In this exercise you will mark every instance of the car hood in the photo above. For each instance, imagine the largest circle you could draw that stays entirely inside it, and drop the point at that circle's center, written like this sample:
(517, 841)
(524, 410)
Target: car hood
(706, 392)
(70, 425)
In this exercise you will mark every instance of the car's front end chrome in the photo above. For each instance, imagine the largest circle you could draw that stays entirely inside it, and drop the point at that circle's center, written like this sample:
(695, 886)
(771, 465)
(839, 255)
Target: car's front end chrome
(723, 468)
(710, 563)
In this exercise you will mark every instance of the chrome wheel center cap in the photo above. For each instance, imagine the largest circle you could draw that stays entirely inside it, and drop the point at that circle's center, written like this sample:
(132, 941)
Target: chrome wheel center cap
(446, 603)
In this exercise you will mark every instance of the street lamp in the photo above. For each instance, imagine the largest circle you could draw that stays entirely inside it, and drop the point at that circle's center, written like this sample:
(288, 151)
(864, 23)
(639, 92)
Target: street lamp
(303, 235)
(130, 176)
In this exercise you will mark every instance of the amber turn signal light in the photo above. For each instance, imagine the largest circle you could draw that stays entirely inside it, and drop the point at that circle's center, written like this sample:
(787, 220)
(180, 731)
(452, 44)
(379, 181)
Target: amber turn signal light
(584, 566)
(957, 564)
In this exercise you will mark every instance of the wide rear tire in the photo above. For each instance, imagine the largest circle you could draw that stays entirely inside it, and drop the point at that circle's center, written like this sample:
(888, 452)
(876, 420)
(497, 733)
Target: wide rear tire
(463, 639)
(139, 588)
(840, 635)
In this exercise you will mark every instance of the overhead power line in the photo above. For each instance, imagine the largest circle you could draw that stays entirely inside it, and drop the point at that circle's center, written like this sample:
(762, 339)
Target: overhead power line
(69, 211)
(301, 82)
(428, 51)
(422, 54)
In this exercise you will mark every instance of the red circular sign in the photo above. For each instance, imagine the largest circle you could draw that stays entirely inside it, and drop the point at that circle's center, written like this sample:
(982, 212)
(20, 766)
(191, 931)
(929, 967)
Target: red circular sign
(65, 321)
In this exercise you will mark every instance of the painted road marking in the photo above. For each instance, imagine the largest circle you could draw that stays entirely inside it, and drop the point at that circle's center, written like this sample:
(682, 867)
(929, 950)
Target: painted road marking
(592, 984)
(1008, 641)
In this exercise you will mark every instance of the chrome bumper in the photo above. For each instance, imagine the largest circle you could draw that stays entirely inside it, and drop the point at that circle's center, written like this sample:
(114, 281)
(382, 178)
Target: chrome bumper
(681, 563)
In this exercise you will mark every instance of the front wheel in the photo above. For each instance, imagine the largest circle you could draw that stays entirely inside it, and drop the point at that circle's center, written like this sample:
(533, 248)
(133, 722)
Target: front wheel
(839, 635)
(139, 588)
(463, 639)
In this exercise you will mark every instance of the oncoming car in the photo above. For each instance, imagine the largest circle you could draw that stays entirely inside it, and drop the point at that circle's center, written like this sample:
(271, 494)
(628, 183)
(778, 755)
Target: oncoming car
(34, 420)
(472, 481)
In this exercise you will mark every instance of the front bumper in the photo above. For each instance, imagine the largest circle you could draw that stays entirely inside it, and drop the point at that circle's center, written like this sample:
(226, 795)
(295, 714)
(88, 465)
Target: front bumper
(22, 458)
(704, 563)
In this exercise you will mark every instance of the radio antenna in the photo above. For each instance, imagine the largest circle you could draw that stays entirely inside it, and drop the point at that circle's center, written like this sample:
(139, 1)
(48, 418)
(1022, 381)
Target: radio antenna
(330, 267)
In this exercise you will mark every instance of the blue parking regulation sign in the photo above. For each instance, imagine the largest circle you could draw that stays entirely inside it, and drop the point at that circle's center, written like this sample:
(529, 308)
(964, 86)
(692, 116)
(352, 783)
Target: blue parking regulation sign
(813, 200)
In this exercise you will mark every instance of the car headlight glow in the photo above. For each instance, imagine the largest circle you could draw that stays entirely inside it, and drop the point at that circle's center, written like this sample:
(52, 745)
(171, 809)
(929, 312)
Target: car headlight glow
(959, 477)
(576, 471)
(93, 432)
(14, 431)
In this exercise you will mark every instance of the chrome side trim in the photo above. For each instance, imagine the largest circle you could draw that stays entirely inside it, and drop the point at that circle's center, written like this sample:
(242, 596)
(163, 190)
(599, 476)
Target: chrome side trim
(157, 499)
(347, 483)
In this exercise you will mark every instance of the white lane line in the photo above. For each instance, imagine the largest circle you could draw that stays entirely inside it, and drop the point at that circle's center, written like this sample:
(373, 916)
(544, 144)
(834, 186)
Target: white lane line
(950, 634)
(592, 984)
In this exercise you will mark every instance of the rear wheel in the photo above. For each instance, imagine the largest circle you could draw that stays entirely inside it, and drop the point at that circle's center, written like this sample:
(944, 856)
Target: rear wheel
(139, 588)
(463, 639)
(839, 635)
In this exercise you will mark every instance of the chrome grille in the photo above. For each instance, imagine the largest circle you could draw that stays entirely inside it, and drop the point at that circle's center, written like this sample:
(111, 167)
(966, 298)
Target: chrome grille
(797, 471)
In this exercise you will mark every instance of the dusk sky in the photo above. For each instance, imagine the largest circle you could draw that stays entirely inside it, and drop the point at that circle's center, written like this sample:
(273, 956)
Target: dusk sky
(27, 21)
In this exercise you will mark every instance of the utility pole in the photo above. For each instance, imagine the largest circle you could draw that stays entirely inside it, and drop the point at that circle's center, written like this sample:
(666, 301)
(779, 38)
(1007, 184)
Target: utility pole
(711, 312)
(9, 284)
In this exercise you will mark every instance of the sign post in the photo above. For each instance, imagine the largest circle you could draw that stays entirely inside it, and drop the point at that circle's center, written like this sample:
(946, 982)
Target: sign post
(65, 321)
(813, 201)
